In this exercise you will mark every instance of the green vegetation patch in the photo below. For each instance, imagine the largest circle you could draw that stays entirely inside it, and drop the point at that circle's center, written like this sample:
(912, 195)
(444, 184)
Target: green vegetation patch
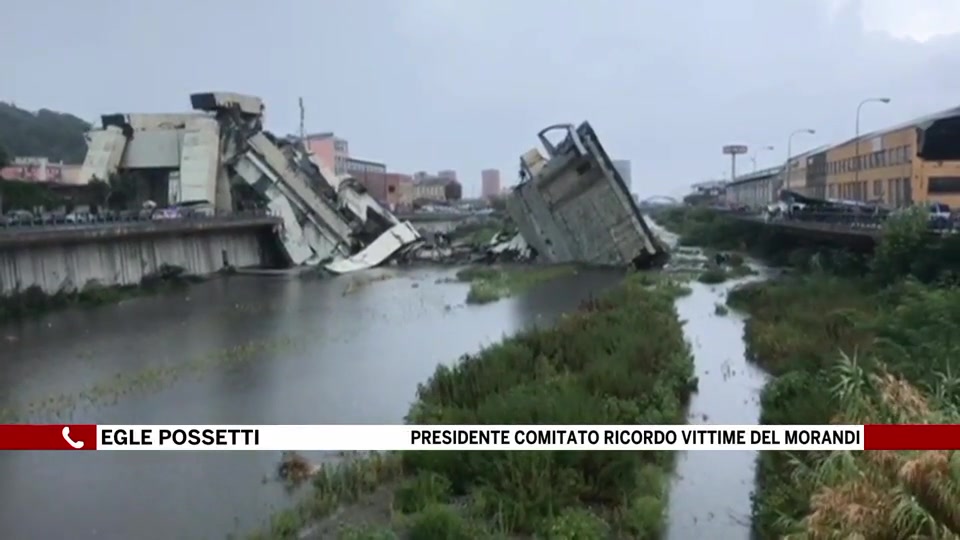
(876, 348)
(593, 367)
(491, 283)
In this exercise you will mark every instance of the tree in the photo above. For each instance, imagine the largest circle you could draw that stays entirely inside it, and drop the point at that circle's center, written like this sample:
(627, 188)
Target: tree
(45, 133)
(123, 190)
(453, 191)
(4, 157)
(906, 237)
(100, 191)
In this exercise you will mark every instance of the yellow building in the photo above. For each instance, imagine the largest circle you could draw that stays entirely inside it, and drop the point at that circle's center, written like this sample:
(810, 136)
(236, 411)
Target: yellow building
(915, 162)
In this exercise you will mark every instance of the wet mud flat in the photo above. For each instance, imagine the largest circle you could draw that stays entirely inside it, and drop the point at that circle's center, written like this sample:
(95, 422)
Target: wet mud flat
(237, 350)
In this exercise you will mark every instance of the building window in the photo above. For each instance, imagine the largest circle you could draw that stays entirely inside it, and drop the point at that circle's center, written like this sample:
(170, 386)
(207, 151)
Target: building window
(944, 185)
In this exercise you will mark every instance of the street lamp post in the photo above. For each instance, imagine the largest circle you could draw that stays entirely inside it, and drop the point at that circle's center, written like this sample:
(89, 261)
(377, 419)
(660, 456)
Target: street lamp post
(754, 157)
(789, 169)
(857, 164)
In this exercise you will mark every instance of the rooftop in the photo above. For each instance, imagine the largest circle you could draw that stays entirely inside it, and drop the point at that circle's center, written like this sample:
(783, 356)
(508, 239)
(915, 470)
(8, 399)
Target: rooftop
(366, 162)
(762, 174)
(922, 121)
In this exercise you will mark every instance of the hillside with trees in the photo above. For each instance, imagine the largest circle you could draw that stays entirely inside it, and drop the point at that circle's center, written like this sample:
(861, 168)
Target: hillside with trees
(57, 136)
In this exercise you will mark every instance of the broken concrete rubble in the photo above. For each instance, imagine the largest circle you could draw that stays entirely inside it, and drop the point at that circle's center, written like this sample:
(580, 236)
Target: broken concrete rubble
(572, 205)
(326, 219)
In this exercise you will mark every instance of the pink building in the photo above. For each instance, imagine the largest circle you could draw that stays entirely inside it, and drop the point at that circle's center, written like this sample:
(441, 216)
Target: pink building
(386, 188)
(40, 169)
(490, 183)
(331, 150)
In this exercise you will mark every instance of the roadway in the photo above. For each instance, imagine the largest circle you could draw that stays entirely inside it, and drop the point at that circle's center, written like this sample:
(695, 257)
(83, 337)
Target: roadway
(12, 235)
(840, 225)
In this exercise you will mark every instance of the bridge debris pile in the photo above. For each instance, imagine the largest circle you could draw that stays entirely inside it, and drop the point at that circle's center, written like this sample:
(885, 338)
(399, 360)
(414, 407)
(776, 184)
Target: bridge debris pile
(438, 248)
(572, 205)
(221, 150)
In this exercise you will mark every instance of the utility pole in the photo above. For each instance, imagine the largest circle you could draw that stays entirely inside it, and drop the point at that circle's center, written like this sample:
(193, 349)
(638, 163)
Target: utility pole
(856, 165)
(302, 133)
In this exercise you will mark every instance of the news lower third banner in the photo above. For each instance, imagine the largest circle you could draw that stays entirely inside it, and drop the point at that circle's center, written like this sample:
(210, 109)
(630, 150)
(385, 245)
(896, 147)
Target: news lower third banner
(464, 438)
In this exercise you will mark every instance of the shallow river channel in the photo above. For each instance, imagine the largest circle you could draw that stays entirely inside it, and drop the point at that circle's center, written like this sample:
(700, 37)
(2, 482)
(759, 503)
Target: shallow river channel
(236, 350)
(289, 350)
(710, 493)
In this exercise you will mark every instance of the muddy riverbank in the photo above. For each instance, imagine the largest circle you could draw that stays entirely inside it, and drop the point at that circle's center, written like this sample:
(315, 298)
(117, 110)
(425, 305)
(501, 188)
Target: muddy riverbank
(257, 350)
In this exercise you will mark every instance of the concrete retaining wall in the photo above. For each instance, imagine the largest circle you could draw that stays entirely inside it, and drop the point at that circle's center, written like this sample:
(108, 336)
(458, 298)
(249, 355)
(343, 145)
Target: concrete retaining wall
(124, 261)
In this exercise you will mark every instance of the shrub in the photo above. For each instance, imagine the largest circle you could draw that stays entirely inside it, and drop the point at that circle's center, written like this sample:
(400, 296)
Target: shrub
(440, 522)
(484, 292)
(418, 492)
(713, 276)
(798, 328)
(577, 524)
(368, 533)
(593, 367)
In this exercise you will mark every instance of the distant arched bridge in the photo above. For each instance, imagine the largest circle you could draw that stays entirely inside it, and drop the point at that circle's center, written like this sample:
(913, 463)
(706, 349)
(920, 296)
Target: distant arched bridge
(659, 199)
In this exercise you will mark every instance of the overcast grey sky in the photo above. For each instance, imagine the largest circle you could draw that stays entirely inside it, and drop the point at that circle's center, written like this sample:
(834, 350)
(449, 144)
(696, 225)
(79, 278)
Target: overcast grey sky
(466, 84)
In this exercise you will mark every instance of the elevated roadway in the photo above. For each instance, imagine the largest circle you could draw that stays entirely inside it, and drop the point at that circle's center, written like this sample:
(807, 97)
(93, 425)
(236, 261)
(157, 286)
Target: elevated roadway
(851, 229)
(105, 231)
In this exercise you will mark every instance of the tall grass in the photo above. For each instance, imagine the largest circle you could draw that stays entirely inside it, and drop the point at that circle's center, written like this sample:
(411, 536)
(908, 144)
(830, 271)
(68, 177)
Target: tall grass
(619, 359)
(594, 367)
(880, 348)
(491, 283)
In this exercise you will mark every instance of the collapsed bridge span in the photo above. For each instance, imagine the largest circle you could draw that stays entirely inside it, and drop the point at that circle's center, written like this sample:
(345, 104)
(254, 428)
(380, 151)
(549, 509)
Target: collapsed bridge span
(209, 154)
(572, 205)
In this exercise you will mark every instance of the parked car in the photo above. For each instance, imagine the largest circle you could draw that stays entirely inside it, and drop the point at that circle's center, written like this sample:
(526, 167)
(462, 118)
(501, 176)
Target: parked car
(17, 217)
(77, 218)
(939, 211)
(940, 216)
(197, 209)
(166, 213)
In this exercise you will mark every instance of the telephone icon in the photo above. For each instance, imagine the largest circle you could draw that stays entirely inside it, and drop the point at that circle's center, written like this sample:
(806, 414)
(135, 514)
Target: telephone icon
(66, 436)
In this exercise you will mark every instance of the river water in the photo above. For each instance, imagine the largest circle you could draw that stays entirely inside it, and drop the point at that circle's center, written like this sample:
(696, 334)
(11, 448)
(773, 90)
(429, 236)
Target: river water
(710, 492)
(305, 351)
(348, 350)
